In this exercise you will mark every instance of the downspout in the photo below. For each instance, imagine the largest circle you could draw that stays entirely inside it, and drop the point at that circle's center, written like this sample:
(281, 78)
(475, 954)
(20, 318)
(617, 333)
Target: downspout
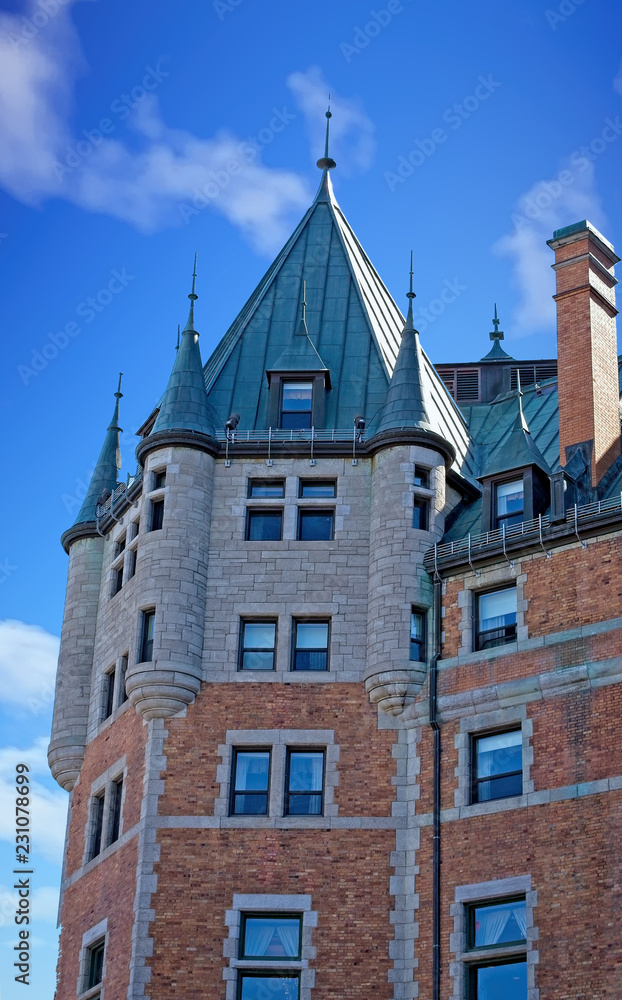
(436, 803)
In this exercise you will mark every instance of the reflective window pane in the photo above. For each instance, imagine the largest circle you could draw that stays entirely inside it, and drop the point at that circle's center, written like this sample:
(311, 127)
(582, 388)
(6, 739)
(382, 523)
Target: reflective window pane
(264, 526)
(266, 488)
(315, 526)
(417, 636)
(499, 923)
(420, 515)
(316, 488)
(296, 405)
(421, 477)
(258, 644)
(311, 646)
(510, 502)
(498, 766)
(250, 782)
(501, 982)
(305, 784)
(271, 937)
(269, 987)
(497, 618)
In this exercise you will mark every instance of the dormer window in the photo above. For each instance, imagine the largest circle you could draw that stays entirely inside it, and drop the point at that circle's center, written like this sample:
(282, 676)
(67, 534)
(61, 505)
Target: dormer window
(509, 503)
(296, 405)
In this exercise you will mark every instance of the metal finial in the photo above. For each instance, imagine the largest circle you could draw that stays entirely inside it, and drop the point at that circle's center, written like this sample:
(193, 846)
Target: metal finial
(496, 334)
(519, 397)
(189, 327)
(178, 336)
(410, 294)
(194, 278)
(326, 162)
(118, 393)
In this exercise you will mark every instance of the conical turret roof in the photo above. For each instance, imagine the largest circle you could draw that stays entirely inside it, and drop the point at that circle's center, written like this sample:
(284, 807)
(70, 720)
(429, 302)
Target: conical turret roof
(106, 470)
(184, 405)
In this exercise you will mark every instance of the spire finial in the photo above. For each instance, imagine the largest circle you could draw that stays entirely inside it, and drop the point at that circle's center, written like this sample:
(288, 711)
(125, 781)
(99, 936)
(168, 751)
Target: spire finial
(326, 162)
(189, 327)
(410, 295)
(178, 336)
(118, 393)
(114, 424)
(497, 334)
(519, 397)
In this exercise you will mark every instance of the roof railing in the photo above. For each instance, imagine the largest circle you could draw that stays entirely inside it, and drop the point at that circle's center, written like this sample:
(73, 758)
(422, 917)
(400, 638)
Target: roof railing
(276, 435)
(107, 508)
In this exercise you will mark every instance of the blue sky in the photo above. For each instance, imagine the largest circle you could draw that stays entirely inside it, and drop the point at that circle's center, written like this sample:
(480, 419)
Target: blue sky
(134, 134)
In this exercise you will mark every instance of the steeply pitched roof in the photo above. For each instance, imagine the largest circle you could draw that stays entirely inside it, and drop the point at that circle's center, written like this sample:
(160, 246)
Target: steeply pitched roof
(106, 469)
(405, 405)
(353, 323)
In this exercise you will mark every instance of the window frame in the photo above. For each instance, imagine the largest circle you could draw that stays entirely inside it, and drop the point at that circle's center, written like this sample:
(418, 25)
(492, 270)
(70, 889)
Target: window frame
(478, 644)
(232, 790)
(98, 815)
(294, 650)
(158, 479)
(421, 504)
(476, 782)
(156, 514)
(283, 382)
(483, 949)
(315, 512)
(267, 482)
(268, 973)
(109, 695)
(263, 511)
(114, 831)
(305, 482)
(255, 649)
(93, 950)
(423, 642)
(291, 751)
(147, 619)
(474, 967)
(268, 915)
(423, 473)
(500, 519)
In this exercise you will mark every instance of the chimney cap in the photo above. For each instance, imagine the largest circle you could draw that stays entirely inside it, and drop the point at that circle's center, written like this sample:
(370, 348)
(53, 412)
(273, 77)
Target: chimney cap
(566, 235)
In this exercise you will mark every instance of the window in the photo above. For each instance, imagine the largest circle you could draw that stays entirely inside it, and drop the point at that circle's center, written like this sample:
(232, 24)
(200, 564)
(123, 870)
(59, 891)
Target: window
(258, 645)
(109, 680)
(157, 515)
(304, 784)
(509, 503)
(123, 672)
(310, 646)
(497, 765)
(115, 809)
(276, 937)
(249, 785)
(417, 635)
(98, 826)
(117, 580)
(420, 514)
(146, 642)
(159, 479)
(296, 405)
(266, 488)
(264, 525)
(421, 477)
(498, 925)
(316, 525)
(131, 564)
(317, 488)
(261, 985)
(95, 965)
(120, 547)
(134, 529)
(496, 618)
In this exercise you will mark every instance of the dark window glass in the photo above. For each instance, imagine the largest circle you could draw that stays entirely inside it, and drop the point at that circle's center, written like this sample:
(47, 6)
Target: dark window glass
(496, 618)
(497, 766)
(117, 580)
(420, 514)
(98, 825)
(131, 564)
(96, 965)
(506, 981)
(421, 477)
(120, 546)
(496, 924)
(258, 645)
(315, 525)
(251, 776)
(509, 503)
(146, 646)
(417, 635)
(135, 528)
(157, 514)
(264, 525)
(262, 987)
(310, 646)
(109, 694)
(159, 479)
(270, 937)
(296, 405)
(122, 690)
(317, 488)
(115, 808)
(305, 783)
(266, 488)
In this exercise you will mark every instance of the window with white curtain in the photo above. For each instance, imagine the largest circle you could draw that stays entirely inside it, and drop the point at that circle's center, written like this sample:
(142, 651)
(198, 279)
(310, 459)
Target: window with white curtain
(498, 925)
(270, 936)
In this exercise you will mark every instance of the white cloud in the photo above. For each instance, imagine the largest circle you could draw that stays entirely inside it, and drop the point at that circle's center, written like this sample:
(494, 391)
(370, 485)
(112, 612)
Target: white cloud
(548, 205)
(617, 83)
(170, 176)
(43, 905)
(352, 142)
(48, 807)
(28, 657)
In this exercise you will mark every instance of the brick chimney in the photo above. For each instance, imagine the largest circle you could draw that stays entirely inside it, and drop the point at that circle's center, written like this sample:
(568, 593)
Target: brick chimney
(586, 345)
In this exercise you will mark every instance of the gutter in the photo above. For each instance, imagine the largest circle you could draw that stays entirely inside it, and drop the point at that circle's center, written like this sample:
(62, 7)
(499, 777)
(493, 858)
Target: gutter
(436, 802)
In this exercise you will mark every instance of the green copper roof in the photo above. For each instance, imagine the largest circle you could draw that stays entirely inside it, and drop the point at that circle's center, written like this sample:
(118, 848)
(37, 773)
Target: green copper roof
(496, 352)
(107, 468)
(300, 354)
(352, 322)
(184, 405)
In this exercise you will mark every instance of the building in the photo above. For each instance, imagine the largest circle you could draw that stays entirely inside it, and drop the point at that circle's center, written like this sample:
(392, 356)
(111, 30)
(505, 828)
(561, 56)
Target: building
(338, 699)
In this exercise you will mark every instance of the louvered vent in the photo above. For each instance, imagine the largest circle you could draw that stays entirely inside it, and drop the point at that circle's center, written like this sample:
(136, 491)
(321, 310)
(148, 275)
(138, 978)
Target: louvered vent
(533, 373)
(463, 383)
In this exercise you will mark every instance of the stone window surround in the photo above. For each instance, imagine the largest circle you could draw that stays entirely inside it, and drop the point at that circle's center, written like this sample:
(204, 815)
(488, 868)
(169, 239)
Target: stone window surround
(119, 707)
(489, 722)
(130, 551)
(89, 938)
(487, 892)
(292, 502)
(278, 741)
(104, 783)
(486, 579)
(271, 903)
(284, 641)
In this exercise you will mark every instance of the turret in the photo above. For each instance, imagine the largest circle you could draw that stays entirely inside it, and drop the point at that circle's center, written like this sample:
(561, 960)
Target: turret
(407, 500)
(171, 574)
(73, 685)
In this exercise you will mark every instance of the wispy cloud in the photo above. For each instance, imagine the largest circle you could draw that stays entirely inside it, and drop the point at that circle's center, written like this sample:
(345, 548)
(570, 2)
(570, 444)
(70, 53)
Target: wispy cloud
(48, 807)
(352, 141)
(28, 657)
(44, 905)
(145, 186)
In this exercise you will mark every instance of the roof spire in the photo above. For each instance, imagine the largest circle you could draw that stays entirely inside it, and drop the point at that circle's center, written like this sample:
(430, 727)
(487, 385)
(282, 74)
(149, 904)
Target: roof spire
(497, 334)
(107, 467)
(496, 352)
(410, 295)
(519, 397)
(326, 162)
(189, 327)
(301, 329)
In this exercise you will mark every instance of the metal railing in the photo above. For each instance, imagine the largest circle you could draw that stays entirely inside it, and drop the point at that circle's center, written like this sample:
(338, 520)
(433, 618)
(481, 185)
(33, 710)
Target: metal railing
(277, 435)
(471, 544)
(108, 507)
